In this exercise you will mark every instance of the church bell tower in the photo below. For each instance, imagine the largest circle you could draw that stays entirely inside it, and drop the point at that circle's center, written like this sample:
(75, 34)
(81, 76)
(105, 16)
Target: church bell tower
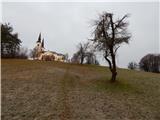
(39, 45)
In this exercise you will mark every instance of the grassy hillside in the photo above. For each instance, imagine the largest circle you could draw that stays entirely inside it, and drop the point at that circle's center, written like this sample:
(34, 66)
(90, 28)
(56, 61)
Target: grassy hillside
(39, 90)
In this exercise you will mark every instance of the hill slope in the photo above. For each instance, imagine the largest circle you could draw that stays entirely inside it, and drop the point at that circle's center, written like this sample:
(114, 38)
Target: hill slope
(39, 90)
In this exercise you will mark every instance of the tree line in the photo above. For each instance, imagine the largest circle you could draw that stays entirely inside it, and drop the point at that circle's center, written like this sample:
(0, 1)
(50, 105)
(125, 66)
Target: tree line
(148, 63)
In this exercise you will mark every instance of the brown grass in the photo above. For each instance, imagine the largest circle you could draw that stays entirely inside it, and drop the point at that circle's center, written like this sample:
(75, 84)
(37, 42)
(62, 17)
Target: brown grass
(38, 90)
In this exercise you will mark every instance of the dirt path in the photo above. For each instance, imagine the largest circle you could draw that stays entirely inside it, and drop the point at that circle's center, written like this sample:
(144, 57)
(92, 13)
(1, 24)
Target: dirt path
(66, 86)
(66, 113)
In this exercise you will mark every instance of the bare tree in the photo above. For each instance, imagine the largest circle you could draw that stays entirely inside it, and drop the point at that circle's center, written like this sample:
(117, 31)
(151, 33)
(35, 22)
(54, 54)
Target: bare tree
(91, 58)
(66, 57)
(33, 53)
(22, 53)
(82, 51)
(75, 58)
(132, 65)
(108, 36)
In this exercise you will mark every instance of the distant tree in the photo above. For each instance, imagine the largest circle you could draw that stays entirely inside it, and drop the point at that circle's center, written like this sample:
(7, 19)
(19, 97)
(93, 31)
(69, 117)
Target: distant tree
(10, 43)
(150, 63)
(108, 36)
(82, 51)
(33, 53)
(66, 57)
(75, 58)
(96, 62)
(132, 65)
(91, 58)
(80, 55)
(85, 54)
(22, 53)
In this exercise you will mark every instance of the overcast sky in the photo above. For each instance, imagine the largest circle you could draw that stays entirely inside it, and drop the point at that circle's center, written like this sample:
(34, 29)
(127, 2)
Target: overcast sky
(64, 25)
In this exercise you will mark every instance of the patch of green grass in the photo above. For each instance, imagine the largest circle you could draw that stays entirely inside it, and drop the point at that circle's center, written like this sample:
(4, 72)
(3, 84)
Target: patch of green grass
(104, 84)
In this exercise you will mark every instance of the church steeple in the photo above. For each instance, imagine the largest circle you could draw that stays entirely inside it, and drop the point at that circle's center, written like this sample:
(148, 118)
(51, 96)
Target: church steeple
(39, 38)
(43, 43)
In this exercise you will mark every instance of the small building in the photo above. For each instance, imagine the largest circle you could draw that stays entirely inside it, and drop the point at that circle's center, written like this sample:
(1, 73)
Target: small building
(42, 54)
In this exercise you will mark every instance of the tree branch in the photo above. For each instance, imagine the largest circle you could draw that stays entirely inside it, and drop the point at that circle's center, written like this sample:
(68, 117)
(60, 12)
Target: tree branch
(109, 62)
(113, 30)
(120, 21)
(116, 50)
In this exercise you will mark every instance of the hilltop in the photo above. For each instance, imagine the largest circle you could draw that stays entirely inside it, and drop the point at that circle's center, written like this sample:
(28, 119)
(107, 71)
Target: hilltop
(40, 90)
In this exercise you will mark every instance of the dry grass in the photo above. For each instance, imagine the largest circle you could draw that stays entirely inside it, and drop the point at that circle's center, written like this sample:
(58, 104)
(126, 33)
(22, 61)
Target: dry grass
(38, 90)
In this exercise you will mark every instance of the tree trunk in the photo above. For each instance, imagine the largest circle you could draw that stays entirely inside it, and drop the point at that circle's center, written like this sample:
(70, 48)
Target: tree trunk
(114, 74)
(82, 59)
(114, 69)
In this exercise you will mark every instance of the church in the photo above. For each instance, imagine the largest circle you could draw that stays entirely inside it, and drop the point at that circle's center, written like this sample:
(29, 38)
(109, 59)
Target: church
(42, 54)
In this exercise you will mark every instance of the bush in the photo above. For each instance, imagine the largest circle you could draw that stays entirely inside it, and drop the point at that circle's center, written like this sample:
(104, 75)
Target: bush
(22, 53)
(132, 65)
(150, 63)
